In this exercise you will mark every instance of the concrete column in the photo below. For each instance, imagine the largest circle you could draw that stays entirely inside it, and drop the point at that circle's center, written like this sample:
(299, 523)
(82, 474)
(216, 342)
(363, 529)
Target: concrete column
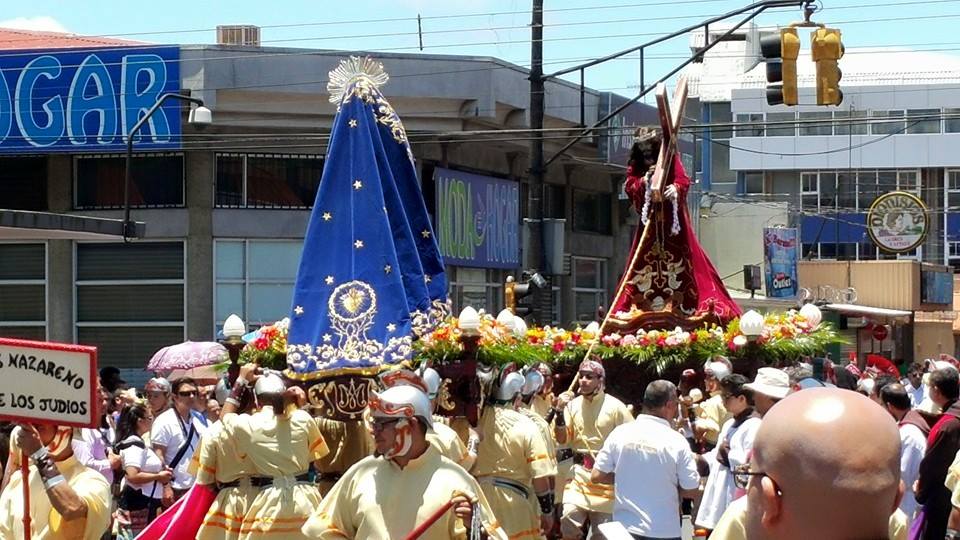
(60, 322)
(60, 290)
(60, 183)
(199, 178)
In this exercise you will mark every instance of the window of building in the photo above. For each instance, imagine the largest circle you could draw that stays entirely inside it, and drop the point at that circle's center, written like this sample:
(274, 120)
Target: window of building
(810, 251)
(951, 120)
(923, 121)
(816, 123)
(592, 211)
(809, 191)
(254, 279)
(844, 251)
(156, 181)
(720, 113)
(130, 299)
(867, 251)
(749, 125)
(850, 123)
(555, 201)
(556, 303)
(954, 249)
(23, 288)
(267, 180)
(886, 181)
(781, 124)
(953, 188)
(481, 288)
(887, 123)
(866, 189)
(847, 191)
(828, 190)
(23, 183)
(589, 288)
(908, 181)
(753, 183)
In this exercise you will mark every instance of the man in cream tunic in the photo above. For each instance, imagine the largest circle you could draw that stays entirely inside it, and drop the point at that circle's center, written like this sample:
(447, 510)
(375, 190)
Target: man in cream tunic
(388, 495)
(586, 422)
(67, 500)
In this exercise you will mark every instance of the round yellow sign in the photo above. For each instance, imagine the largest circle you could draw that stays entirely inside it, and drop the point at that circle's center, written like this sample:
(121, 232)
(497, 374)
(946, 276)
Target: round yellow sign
(897, 222)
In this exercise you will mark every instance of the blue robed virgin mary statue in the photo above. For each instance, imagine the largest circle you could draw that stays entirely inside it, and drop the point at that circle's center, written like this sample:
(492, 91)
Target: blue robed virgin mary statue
(371, 277)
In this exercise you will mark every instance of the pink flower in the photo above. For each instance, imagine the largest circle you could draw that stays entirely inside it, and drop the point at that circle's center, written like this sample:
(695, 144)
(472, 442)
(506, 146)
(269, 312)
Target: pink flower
(628, 340)
(558, 346)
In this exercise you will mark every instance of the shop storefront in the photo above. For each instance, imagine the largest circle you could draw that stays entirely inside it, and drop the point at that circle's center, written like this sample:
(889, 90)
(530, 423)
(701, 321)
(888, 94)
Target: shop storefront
(898, 309)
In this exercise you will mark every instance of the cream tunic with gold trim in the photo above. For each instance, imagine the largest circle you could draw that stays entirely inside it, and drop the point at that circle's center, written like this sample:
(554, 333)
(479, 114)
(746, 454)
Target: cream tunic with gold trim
(448, 443)
(46, 523)
(278, 447)
(377, 500)
(220, 464)
(589, 422)
(512, 449)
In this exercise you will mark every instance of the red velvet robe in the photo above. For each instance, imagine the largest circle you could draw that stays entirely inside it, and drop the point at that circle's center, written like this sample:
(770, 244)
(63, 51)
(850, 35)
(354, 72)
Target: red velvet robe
(667, 270)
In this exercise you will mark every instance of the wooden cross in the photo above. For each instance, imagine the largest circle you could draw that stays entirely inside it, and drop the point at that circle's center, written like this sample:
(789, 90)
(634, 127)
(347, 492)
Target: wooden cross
(670, 118)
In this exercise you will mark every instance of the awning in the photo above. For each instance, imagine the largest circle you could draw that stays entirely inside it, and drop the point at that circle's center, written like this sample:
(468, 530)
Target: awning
(27, 225)
(867, 311)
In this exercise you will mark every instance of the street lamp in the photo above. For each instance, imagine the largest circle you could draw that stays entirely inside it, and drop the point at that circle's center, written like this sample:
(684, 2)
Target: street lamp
(233, 331)
(751, 324)
(200, 116)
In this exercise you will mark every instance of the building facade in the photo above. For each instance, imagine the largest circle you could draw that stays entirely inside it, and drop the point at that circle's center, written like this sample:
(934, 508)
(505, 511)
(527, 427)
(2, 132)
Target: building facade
(821, 168)
(225, 208)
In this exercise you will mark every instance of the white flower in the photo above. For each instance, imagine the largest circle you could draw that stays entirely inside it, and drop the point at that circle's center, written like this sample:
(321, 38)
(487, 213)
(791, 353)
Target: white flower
(740, 340)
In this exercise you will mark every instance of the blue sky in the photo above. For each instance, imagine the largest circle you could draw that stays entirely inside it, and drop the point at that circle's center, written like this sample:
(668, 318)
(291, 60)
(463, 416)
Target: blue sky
(576, 30)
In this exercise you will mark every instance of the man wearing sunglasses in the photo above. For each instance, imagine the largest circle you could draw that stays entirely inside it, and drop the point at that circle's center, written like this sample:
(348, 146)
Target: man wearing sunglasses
(389, 494)
(176, 436)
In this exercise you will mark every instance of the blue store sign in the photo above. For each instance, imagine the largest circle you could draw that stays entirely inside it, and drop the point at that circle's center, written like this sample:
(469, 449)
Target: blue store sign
(478, 219)
(68, 101)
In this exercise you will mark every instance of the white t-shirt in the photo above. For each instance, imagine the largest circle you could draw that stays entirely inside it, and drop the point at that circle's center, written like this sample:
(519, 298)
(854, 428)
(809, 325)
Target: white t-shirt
(147, 461)
(650, 462)
(170, 431)
(913, 445)
(917, 395)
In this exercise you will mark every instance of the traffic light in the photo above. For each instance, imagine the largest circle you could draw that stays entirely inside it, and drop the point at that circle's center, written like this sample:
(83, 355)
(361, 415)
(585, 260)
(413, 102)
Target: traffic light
(827, 49)
(780, 52)
(514, 291)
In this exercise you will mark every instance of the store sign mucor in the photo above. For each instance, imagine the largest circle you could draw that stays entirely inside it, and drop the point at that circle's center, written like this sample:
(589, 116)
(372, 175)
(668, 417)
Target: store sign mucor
(897, 222)
(87, 100)
(47, 382)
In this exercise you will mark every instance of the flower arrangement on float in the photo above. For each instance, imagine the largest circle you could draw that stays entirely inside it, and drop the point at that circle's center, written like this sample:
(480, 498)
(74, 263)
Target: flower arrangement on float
(507, 339)
(268, 346)
(766, 338)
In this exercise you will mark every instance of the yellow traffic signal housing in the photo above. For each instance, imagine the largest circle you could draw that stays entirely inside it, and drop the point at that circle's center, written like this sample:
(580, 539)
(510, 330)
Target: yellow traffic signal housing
(780, 52)
(826, 49)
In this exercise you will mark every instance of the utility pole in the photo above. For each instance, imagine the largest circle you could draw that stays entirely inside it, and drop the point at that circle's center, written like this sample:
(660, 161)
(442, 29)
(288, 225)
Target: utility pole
(542, 304)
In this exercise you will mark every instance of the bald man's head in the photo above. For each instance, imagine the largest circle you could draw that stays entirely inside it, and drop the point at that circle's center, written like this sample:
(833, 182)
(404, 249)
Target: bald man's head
(831, 464)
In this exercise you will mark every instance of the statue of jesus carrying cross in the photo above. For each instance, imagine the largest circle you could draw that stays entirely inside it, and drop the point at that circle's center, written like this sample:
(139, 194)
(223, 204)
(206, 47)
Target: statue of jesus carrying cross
(669, 280)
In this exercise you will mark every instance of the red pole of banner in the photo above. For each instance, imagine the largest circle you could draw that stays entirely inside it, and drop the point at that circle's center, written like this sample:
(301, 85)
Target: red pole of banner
(422, 528)
(25, 478)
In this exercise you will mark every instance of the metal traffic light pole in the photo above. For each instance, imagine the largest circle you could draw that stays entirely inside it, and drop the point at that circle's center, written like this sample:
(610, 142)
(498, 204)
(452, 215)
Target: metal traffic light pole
(538, 166)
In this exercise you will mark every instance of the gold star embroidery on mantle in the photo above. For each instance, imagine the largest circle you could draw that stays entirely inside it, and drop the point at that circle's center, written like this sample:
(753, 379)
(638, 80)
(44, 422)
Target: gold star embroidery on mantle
(327, 216)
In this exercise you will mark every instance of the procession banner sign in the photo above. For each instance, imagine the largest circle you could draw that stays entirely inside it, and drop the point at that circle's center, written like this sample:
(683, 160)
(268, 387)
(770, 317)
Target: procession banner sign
(44, 382)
